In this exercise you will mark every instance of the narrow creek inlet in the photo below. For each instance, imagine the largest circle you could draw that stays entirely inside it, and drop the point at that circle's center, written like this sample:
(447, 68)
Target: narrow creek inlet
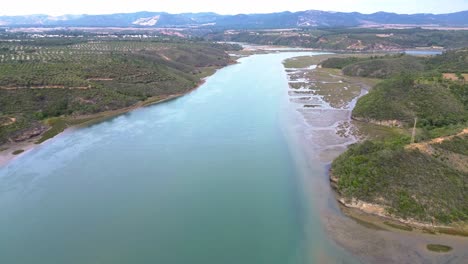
(206, 178)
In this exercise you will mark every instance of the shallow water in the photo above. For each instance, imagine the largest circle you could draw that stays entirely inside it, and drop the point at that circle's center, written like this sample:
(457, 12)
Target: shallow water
(212, 177)
(423, 52)
(323, 132)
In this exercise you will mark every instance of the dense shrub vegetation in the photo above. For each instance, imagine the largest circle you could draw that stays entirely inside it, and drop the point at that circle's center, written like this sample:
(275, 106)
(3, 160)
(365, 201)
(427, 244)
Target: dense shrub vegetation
(392, 65)
(350, 39)
(414, 88)
(458, 145)
(47, 78)
(430, 185)
(410, 183)
(403, 99)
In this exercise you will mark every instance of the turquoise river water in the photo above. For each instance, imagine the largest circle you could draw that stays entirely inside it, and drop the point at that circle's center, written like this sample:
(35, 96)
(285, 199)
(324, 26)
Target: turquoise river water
(211, 177)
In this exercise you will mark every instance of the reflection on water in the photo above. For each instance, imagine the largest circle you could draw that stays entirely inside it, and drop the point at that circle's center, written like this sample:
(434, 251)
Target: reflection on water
(206, 178)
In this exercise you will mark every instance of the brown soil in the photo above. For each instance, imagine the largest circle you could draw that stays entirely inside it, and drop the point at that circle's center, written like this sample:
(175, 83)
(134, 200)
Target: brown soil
(12, 120)
(454, 77)
(426, 147)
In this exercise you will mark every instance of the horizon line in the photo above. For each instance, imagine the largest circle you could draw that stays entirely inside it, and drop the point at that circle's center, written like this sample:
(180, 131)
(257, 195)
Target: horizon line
(223, 14)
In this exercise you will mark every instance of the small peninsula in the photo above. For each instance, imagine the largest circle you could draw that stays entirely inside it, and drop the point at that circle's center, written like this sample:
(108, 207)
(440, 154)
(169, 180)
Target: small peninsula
(411, 165)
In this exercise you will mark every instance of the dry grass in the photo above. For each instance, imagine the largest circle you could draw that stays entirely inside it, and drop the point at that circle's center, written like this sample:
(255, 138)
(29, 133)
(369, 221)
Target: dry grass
(335, 88)
(454, 77)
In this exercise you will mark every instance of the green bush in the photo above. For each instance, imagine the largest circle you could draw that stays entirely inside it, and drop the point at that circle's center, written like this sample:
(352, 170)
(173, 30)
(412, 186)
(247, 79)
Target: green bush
(410, 183)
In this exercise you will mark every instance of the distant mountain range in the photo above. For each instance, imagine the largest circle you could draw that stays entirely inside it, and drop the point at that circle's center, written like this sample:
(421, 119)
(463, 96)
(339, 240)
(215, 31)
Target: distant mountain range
(310, 18)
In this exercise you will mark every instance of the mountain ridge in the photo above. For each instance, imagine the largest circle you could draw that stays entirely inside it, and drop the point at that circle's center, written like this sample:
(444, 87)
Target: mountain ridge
(286, 19)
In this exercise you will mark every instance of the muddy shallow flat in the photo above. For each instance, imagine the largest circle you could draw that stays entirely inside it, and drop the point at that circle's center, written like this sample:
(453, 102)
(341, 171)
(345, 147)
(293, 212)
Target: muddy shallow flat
(324, 132)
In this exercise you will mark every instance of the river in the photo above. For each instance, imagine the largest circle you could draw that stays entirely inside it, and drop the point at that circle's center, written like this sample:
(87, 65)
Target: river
(206, 178)
(220, 175)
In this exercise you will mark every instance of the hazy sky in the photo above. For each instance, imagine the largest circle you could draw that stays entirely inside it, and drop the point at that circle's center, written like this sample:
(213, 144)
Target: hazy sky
(60, 7)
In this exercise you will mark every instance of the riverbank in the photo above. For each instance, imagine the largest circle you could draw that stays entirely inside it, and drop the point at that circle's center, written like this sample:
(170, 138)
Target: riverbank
(323, 100)
(417, 185)
(149, 171)
(326, 93)
(376, 214)
(12, 150)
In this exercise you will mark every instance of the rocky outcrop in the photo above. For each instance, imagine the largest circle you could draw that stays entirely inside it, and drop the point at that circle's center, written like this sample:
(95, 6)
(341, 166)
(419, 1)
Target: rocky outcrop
(29, 133)
(387, 123)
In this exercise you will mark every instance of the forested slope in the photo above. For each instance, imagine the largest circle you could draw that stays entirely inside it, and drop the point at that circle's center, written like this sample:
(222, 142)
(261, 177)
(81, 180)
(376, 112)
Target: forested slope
(45, 79)
(425, 180)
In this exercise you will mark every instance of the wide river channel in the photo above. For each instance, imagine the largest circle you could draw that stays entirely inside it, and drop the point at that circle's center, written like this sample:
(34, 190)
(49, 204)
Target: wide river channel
(216, 176)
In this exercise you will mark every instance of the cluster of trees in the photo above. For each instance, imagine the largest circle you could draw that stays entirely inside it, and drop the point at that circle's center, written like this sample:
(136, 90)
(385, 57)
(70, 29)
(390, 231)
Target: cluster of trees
(99, 80)
(414, 88)
(350, 39)
(412, 184)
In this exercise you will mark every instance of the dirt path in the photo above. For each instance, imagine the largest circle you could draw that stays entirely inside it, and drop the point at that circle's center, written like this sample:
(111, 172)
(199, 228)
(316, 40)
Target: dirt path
(11, 121)
(46, 87)
(100, 79)
(426, 147)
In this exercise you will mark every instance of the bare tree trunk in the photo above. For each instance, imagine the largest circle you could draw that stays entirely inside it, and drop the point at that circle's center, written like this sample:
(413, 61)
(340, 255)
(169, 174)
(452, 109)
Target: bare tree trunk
(413, 135)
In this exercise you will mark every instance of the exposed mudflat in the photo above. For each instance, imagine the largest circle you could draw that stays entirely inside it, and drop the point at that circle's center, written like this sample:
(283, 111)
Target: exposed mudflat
(325, 131)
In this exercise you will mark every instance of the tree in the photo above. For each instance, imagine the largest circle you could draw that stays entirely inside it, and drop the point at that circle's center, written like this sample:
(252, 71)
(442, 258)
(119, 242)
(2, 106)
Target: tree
(460, 77)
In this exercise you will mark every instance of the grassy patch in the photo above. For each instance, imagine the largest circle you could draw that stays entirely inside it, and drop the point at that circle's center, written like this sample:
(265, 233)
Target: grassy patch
(367, 224)
(458, 145)
(335, 88)
(429, 231)
(447, 130)
(307, 61)
(302, 62)
(17, 152)
(377, 132)
(58, 125)
(452, 231)
(438, 248)
(399, 226)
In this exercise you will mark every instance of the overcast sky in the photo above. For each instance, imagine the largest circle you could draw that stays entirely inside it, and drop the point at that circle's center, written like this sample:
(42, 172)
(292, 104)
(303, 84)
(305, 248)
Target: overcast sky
(60, 7)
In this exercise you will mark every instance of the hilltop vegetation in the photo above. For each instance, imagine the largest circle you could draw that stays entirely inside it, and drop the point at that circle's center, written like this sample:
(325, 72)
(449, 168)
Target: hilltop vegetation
(414, 88)
(409, 183)
(349, 39)
(427, 180)
(387, 66)
(40, 80)
(404, 99)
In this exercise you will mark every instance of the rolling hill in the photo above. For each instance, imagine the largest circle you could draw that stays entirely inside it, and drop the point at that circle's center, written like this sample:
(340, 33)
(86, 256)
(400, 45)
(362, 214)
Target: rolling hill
(309, 18)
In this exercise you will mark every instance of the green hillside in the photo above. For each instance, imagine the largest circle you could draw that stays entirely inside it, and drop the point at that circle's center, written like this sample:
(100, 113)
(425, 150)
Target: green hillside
(403, 98)
(385, 68)
(349, 39)
(48, 79)
(455, 61)
(427, 180)
(410, 183)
